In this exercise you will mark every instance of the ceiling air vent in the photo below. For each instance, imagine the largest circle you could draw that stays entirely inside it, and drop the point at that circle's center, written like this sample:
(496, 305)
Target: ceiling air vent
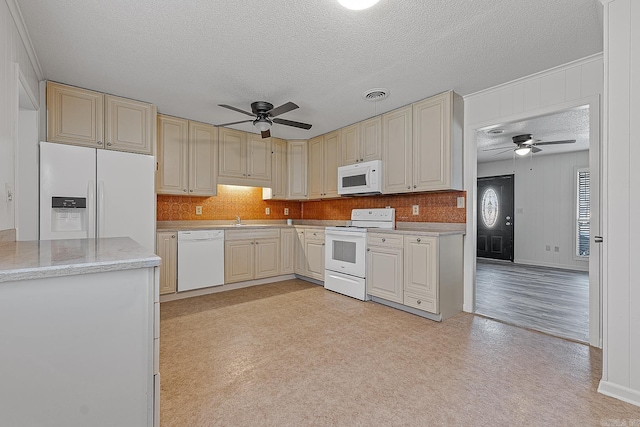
(377, 94)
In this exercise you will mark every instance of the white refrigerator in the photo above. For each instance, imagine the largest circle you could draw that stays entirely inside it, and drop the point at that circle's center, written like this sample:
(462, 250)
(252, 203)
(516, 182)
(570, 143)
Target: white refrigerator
(87, 192)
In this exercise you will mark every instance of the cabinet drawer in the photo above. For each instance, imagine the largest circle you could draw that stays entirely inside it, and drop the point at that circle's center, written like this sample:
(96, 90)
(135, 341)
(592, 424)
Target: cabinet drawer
(314, 234)
(385, 239)
(251, 234)
(421, 303)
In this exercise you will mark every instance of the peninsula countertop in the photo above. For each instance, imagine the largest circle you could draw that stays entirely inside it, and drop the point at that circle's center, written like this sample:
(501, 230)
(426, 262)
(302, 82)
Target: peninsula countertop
(55, 258)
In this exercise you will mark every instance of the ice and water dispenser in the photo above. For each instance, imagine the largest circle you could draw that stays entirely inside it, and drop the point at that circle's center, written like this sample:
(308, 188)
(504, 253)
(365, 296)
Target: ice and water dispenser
(68, 213)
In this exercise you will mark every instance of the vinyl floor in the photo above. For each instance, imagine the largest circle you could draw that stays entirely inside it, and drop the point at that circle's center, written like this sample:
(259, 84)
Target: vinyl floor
(548, 300)
(294, 354)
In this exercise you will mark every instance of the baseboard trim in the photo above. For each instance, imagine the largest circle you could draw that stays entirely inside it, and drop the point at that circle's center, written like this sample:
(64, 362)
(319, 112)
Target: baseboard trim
(619, 392)
(223, 288)
(406, 308)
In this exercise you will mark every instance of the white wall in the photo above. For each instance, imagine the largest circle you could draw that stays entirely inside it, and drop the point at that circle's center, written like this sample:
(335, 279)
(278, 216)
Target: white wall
(568, 86)
(544, 207)
(12, 52)
(621, 291)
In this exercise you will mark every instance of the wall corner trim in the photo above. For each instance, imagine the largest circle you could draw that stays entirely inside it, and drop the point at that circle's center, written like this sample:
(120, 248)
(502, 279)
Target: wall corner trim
(24, 35)
(619, 392)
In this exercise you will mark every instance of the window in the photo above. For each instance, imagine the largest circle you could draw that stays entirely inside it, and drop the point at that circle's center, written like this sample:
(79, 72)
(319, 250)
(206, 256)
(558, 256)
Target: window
(583, 213)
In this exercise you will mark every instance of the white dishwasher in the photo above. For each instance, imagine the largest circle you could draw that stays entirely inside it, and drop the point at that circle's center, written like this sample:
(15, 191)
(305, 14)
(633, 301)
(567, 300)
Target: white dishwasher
(200, 259)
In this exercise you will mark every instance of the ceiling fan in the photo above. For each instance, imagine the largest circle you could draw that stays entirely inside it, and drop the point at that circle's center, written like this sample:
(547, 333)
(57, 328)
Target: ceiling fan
(266, 115)
(526, 144)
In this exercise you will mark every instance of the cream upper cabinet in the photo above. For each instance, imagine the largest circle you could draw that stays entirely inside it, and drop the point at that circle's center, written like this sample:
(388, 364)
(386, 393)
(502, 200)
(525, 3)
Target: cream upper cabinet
(316, 167)
(324, 159)
(437, 143)
(385, 268)
(422, 145)
(203, 159)
(297, 164)
(129, 125)
(233, 154)
(362, 142)
(187, 157)
(287, 250)
(244, 158)
(397, 140)
(172, 176)
(84, 117)
(279, 170)
(167, 249)
(74, 115)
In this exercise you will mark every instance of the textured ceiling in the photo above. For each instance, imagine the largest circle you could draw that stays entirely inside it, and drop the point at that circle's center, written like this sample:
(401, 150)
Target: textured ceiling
(570, 124)
(188, 56)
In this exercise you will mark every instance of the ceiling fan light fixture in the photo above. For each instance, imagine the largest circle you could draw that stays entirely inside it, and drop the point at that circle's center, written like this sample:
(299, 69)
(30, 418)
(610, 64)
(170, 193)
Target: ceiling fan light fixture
(357, 4)
(262, 124)
(523, 150)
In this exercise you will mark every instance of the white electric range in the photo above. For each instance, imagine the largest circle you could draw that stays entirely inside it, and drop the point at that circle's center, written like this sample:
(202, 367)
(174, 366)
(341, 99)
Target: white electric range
(346, 249)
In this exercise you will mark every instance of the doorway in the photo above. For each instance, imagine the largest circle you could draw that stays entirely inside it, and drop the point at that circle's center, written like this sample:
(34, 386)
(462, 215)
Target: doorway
(495, 217)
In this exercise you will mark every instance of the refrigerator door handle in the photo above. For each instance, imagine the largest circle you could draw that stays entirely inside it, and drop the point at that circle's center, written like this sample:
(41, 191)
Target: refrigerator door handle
(91, 210)
(101, 209)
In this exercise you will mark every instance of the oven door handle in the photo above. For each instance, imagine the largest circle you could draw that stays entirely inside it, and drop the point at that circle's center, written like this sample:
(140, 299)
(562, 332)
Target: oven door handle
(354, 234)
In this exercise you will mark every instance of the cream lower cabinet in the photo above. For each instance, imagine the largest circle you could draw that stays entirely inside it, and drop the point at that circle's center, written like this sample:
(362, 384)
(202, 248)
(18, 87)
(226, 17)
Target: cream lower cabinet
(83, 117)
(314, 253)
(433, 269)
(299, 260)
(385, 266)
(287, 250)
(251, 254)
(167, 249)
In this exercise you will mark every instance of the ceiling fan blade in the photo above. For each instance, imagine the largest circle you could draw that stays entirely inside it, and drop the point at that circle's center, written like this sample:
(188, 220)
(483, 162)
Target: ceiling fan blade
(235, 123)
(503, 151)
(566, 141)
(236, 109)
(284, 108)
(495, 148)
(535, 149)
(266, 133)
(292, 123)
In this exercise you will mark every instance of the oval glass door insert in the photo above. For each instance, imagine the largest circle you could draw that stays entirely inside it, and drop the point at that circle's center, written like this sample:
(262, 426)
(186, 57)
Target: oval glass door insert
(489, 207)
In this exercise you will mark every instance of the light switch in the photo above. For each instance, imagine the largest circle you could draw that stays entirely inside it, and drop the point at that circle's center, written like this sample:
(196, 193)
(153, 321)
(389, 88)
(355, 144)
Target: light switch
(286, 211)
(460, 202)
(198, 210)
(267, 211)
(416, 209)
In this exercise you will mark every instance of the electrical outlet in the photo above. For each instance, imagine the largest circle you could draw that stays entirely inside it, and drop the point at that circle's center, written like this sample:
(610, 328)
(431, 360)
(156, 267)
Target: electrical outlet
(286, 211)
(8, 191)
(556, 249)
(460, 202)
(416, 210)
(198, 210)
(267, 211)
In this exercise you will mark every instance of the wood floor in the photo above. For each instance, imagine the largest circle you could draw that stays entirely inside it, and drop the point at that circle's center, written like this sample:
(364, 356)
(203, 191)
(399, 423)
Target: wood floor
(294, 354)
(544, 299)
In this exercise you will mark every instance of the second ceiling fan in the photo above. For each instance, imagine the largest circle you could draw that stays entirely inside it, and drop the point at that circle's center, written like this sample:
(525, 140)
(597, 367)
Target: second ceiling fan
(265, 115)
(526, 143)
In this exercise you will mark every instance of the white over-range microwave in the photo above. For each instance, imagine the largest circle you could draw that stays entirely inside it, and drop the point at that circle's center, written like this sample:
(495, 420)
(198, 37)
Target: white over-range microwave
(360, 178)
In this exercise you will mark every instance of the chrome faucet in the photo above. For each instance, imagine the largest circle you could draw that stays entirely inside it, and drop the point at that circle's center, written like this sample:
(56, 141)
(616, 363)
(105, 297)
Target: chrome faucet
(237, 220)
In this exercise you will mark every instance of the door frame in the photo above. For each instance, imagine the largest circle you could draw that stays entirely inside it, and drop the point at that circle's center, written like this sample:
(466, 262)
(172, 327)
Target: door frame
(597, 175)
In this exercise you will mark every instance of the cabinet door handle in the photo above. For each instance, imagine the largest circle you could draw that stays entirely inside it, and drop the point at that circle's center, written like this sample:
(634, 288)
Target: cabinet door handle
(362, 160)
(384, 240)
(99, 142)
(597, 239)
(109, 144)
(419, 302)
(368, 249)
(184, 190)
(408, 187)
(173, 237)
(257, 243)
(190, 191)
(418, 240)
(415, 186)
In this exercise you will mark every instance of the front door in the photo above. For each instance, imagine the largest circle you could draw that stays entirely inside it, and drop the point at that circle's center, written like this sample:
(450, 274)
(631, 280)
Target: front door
(495, 217)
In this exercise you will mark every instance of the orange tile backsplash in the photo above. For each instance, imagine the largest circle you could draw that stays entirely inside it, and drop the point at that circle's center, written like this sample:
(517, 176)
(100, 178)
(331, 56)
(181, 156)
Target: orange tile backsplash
(247, 203)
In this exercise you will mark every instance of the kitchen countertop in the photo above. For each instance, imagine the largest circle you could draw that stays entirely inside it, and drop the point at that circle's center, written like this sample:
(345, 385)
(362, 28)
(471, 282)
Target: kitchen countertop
(412, 228)
(55, 258)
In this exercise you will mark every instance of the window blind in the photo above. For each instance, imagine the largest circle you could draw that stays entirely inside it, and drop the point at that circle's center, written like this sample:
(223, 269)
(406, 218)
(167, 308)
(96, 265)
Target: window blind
(583, 213)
